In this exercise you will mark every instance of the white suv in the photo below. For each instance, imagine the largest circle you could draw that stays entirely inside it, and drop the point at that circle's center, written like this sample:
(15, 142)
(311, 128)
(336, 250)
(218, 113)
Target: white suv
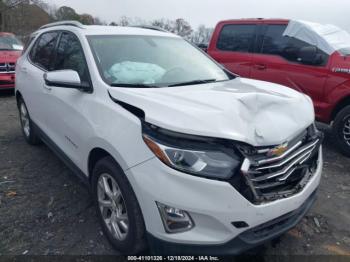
(181, 155)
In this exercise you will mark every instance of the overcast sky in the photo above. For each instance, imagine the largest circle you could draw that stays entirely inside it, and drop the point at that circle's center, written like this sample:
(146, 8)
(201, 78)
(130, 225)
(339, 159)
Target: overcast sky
(209, 12)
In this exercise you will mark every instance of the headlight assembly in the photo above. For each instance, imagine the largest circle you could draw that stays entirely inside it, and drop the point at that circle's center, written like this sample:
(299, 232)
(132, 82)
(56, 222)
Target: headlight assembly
(192, 154)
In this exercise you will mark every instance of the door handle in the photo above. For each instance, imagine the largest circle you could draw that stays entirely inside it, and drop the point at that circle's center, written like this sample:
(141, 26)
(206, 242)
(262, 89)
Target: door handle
(24, 69)
(260, 66)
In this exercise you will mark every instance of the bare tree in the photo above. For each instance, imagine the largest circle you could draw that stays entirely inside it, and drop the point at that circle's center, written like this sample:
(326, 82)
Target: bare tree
(6, 5)
(43, 5)
(86, 19)
(138, 21)
(182, 28)
(202, 35)
(51, 9)
(124, 21)
(98, 21)
(178, 26)
(24, 18)
(66, 13)
(166, 24)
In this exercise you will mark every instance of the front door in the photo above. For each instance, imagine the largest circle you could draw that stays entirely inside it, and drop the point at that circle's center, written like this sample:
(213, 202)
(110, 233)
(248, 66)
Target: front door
(69, 128)
(278, 61)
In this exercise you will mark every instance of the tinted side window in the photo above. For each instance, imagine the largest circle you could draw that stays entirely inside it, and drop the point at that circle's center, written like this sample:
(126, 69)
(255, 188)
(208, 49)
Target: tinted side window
(43, 50)
(238, 38)
(70, 55)
(274, 43)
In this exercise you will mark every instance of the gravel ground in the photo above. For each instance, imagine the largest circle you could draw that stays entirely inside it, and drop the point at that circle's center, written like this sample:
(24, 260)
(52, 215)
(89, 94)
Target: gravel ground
(44, 209)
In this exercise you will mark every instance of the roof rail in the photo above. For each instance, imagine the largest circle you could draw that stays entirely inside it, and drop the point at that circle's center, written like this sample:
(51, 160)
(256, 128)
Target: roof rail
(157, 28)
(68, 22)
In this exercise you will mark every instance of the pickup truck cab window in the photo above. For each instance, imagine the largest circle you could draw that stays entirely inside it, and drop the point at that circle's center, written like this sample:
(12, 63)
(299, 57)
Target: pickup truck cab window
(236, 38)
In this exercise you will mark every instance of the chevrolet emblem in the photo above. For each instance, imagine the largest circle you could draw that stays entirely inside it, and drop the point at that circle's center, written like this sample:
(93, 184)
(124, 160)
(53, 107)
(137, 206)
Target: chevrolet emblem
(278, 150)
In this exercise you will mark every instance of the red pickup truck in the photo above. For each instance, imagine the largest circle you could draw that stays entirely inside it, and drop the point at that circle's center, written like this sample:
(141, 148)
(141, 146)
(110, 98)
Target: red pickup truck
(309, 57)
(10, 51)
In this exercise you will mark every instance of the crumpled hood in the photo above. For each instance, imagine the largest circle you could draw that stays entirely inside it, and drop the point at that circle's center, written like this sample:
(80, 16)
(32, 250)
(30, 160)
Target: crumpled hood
(256, 112)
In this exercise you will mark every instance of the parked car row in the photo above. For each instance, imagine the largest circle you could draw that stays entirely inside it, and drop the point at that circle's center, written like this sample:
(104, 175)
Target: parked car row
(181, 155)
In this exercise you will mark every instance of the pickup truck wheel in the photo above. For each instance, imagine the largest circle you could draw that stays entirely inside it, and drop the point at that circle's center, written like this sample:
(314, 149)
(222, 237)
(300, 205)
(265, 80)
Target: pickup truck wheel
(341, 130)
(117, 207)
(28, 130)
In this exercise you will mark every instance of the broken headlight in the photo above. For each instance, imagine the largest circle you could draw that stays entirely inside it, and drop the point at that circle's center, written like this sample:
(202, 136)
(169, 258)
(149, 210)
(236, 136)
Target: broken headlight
(206, 157)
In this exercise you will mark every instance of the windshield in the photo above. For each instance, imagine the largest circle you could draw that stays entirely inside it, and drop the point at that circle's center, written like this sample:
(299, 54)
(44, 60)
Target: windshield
(9, 42)
(153, 61)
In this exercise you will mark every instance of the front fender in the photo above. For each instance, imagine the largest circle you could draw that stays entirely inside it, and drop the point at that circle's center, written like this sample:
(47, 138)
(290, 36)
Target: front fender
(335, 98)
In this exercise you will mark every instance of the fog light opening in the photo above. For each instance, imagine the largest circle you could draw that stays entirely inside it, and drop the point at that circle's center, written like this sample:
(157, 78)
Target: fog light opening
(175, 220)
(240, 224)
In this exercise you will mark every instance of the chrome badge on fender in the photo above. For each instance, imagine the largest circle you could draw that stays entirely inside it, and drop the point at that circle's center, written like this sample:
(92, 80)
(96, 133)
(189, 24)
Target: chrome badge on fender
(341, 70)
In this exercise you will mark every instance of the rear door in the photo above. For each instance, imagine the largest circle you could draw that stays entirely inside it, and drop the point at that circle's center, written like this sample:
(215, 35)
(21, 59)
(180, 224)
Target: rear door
(232, 46)
(277, 60)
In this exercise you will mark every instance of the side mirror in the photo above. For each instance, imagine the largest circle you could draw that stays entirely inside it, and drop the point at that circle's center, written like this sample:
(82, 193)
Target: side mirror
(66, 79)
(308, 55)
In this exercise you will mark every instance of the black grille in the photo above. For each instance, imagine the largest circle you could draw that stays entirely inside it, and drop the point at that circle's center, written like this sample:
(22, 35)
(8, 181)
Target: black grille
(4, 83)
(273, 177)
(7, 67)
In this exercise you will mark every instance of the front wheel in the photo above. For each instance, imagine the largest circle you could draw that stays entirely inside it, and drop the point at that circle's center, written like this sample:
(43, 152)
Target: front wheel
(117, 207)
(341, 130)
(27, 126)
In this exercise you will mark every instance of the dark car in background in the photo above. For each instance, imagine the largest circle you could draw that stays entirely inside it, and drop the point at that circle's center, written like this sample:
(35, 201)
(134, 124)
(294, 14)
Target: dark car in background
(10, 50)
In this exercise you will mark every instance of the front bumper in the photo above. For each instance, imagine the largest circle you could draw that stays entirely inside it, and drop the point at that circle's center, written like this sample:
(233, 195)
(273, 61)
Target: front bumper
(243, 242)
(7, 81)
(213, 206)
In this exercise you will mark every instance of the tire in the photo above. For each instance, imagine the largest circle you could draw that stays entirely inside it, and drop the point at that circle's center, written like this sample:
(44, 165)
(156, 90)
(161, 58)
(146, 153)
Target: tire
(27, 126)
(132, 240)
(341, 130)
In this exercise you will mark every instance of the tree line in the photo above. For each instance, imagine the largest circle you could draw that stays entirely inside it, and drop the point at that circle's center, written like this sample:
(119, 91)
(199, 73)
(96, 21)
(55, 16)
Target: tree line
(24, 16)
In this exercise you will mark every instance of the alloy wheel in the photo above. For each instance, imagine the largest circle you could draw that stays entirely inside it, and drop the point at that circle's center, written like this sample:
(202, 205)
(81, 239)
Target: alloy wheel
(25, 119)
(346, 131)
(112, 206)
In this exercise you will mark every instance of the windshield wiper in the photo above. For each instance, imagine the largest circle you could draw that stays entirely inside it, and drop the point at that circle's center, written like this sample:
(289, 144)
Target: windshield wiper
(194, 82)
(133, 85)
